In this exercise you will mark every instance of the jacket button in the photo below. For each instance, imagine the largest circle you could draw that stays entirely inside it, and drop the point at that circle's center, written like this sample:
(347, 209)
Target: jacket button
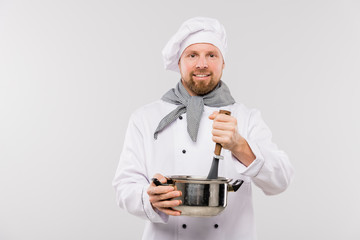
(184, 226)
(184, 151)
(216, 226)
(180, 117)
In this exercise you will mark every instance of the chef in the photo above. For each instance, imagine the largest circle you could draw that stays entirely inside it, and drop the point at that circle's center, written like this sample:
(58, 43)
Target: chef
(175, 136)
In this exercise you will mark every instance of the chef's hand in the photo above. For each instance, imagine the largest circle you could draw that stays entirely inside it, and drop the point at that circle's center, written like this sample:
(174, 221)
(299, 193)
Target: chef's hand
(225, 132)
(160, 197)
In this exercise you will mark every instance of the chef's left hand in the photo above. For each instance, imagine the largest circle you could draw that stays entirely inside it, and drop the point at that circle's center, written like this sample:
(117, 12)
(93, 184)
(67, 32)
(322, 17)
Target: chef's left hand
(225, 131)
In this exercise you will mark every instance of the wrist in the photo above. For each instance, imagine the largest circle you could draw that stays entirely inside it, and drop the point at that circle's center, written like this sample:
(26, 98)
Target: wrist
(243, 153)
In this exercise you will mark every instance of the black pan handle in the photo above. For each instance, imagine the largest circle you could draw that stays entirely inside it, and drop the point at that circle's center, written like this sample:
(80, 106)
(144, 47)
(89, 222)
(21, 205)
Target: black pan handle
(158, 183)
(235, 185)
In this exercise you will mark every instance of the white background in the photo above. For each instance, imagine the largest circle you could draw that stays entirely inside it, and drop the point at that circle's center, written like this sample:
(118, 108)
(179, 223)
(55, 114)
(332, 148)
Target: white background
(71, 73)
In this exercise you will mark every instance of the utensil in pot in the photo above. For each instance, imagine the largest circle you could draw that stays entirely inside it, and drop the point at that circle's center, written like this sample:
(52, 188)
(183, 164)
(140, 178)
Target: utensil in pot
(213, 173)
(201, 197)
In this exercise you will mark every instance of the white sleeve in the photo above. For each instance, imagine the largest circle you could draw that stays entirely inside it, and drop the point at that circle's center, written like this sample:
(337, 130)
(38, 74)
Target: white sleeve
(271, 170)
(131, 181)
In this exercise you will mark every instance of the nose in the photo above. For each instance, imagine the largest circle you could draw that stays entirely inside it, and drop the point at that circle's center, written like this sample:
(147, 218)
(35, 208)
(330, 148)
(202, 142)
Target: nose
(201, 63)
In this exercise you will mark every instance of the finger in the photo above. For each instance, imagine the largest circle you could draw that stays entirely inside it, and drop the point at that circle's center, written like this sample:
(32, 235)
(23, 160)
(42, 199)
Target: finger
(221, 133)
(213, 115)
(224, 118)
(153, 190)
(160, 177)
(167, 204)
(170, 211)
(228, 126)
(161, 197)
(221, 140)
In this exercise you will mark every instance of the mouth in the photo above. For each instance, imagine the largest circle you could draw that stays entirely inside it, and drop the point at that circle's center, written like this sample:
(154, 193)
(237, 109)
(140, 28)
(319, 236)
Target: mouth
(201, 75)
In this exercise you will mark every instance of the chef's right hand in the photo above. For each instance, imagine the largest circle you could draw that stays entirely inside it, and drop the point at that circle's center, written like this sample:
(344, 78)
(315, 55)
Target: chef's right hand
(160, 197)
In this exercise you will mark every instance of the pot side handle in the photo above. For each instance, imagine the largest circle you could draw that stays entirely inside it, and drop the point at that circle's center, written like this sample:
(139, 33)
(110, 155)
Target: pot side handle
(235, 185)
(158, 183)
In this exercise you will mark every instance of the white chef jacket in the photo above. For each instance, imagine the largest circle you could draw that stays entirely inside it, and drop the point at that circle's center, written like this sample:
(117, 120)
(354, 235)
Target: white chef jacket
(174, 153)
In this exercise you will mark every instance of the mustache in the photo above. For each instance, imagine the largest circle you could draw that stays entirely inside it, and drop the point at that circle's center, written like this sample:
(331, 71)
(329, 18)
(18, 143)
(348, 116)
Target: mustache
(199, 72)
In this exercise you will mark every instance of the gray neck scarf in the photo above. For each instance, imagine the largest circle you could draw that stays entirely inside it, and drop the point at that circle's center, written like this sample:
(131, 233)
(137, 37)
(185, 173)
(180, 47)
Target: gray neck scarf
(193, 106)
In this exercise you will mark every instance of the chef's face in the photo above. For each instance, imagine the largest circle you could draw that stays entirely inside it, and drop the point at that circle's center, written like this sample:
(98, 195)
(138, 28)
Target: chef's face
(201, 67)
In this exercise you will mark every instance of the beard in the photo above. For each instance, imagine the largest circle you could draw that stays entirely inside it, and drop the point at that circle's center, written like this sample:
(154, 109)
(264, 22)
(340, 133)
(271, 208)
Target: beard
(200, 87)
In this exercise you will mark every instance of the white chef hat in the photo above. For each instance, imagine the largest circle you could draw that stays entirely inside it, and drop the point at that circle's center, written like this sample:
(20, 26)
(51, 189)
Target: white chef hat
(194, 30)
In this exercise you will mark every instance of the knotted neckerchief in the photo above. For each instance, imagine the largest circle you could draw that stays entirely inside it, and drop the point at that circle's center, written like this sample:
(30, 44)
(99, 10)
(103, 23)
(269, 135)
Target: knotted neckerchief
(193, 106)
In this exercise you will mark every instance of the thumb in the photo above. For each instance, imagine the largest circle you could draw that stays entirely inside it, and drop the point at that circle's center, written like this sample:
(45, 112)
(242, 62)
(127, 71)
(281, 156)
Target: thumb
(213, 115)
(160, 177)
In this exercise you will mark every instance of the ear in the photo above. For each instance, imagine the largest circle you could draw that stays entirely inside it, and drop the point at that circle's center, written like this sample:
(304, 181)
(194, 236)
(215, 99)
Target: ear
(179, 65)
(223, 66)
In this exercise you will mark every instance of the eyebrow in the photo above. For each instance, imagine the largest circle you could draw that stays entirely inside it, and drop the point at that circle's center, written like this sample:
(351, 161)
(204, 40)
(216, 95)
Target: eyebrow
(208, 52)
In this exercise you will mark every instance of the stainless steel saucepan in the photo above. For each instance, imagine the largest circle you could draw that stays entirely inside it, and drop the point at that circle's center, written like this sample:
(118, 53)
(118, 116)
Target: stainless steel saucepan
(201, 197)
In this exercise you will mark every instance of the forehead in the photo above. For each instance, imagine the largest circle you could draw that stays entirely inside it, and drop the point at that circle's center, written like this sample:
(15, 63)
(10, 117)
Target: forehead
(201, 47)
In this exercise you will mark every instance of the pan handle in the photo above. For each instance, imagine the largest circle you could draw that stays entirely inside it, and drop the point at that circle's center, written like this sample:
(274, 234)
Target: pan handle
(233, 187)
(158, 183)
